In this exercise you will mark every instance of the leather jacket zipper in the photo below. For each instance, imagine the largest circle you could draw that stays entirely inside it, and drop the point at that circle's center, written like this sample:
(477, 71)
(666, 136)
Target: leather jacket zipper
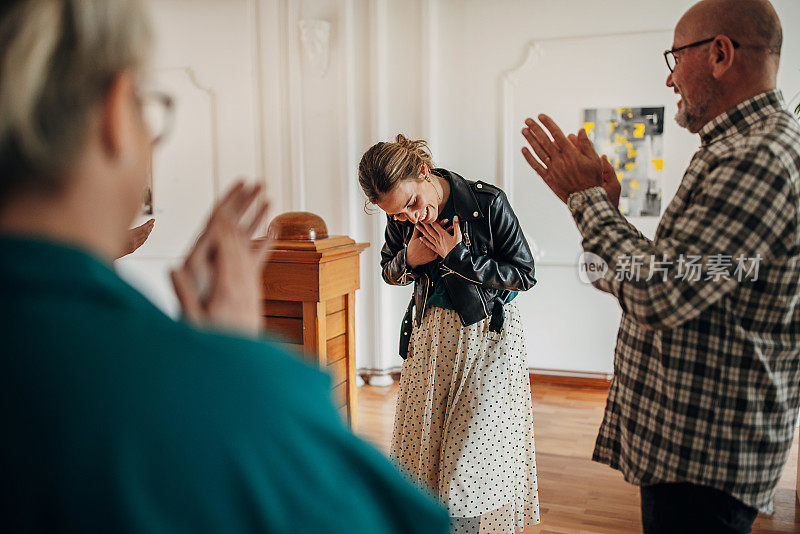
(421, 313)
(480, 295)
(468, 245)
(451, 271)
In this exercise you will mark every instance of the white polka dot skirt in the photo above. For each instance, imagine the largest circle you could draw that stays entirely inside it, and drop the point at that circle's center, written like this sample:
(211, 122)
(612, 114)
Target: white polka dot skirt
(464, 421)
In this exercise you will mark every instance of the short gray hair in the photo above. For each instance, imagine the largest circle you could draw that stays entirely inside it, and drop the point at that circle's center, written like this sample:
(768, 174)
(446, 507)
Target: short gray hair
(58, 59)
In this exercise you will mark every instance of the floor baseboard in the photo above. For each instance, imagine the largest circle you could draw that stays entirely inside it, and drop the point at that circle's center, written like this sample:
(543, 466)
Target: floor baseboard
(378, 376)
(570, 378)
(538, 376)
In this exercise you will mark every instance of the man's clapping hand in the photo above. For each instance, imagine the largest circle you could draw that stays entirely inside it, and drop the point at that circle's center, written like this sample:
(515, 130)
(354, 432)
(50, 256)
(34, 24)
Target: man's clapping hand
(565, 165)
(610, 180)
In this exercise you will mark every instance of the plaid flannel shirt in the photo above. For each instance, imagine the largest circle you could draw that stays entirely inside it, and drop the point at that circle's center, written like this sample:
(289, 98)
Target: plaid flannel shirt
(706, 385)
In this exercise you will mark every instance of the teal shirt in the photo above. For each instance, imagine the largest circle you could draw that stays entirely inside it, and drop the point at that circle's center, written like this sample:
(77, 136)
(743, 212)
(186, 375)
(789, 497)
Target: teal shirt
(118, 419)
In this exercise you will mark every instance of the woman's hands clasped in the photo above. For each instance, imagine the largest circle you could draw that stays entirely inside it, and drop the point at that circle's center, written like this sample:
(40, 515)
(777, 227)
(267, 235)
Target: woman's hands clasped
(438, 239)
(417, 252)
(219, 283)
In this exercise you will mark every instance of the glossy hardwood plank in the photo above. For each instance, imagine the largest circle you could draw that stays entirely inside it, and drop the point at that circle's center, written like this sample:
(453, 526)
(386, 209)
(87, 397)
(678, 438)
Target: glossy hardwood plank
(282, 308)
(576, 495)
(336, 304)
(337, 348)
(338, 371)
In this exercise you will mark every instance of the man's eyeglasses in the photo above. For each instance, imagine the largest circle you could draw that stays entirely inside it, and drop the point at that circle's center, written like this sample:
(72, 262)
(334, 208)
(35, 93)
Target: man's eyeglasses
(157, 112)
(672, 59)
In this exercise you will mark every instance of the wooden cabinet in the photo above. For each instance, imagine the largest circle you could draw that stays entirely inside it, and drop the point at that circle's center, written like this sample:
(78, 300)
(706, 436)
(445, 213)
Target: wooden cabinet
(309, 285)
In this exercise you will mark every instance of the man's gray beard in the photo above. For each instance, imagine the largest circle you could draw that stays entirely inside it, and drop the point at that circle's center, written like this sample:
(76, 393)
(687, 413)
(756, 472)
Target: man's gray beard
(694, 119)
(682, 119)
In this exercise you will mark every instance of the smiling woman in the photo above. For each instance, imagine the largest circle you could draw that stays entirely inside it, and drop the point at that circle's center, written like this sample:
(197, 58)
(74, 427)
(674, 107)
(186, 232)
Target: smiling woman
(384, 175)
(464, 423)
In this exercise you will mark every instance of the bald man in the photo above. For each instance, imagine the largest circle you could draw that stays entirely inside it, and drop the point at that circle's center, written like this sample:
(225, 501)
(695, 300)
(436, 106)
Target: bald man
(702, 408)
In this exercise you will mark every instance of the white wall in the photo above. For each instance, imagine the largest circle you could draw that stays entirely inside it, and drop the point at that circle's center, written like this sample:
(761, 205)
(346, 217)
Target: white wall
(457, 72)
(208, 67)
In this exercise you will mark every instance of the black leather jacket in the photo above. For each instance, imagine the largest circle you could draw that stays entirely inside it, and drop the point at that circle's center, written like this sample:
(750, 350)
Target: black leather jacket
(492, 260)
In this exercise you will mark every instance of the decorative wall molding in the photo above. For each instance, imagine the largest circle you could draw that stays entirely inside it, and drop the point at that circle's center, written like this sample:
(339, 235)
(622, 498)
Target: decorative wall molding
(191, 76)
(315, 36)
(299, 184)
(350, 191)
(254, 7)
(292, 105)
(508, 83)
(378, 62)
(214, 111)
(378, 32)
(349, 159)
(189, 157)
(430, 73)
(532, 53)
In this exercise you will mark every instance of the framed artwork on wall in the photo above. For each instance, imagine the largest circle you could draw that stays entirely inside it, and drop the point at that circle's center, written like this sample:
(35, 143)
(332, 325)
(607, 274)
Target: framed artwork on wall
(633, 140)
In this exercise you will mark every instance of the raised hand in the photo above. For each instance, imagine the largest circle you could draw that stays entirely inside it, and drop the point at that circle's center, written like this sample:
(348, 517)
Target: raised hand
(137, 236)
(417, 253)
(218, 284)
(438, 239)
(610, 181)
(564, 167)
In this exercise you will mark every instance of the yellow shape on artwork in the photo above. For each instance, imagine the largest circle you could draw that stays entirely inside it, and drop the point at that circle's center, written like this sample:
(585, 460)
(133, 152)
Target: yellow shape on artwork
(612, 125)
(631, 152)
(620, 174)
(619, 139)
(630, 166)
(658, 164)
(638, 130)
(627, 112)
(634, 184)
(588, 126)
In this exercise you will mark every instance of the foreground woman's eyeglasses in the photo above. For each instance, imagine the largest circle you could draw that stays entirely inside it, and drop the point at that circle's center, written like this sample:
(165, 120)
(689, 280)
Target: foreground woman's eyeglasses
(158, 114)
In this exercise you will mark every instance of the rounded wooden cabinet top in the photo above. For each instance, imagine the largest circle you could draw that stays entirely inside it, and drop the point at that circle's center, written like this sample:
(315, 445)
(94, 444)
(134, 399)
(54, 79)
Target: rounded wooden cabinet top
(297, 226)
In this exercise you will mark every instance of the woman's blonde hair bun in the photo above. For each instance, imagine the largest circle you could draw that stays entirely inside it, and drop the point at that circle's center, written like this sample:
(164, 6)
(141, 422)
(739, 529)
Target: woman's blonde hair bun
(385, 164)
(417, 147)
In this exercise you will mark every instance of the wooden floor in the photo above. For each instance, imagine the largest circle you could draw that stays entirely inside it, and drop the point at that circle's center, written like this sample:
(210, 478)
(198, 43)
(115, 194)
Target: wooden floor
(576, 494)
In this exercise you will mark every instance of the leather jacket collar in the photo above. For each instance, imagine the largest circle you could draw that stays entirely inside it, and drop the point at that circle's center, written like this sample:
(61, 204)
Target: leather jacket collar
(464, 201)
